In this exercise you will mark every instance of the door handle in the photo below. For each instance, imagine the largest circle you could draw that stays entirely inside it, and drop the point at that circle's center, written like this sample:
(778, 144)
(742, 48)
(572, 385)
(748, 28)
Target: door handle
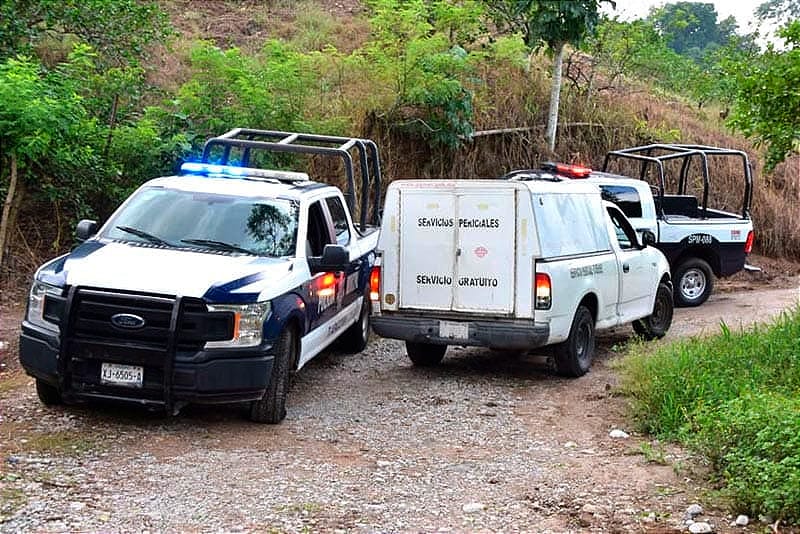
(626, 268)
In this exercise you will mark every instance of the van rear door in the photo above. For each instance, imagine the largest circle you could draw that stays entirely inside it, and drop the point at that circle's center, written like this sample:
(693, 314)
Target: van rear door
(485, 251)
(458, 249)
(427, 249)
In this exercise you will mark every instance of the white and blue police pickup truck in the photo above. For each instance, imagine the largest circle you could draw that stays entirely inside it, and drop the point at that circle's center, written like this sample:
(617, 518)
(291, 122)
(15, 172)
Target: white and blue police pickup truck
(513, 264)
(212, 286)
(668, 189)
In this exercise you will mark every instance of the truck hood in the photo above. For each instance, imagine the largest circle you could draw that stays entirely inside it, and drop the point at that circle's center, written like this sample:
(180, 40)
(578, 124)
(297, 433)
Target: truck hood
(215, 277)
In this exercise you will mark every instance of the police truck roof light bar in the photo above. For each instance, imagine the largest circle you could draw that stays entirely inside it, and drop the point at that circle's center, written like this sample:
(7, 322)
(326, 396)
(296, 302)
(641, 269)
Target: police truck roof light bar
(573, 171)
(210, 169)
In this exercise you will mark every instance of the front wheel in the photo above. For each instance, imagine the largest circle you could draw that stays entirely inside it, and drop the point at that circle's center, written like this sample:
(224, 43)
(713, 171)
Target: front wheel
(425, 354)
(49, 395)
(271, 408)
(655, 325)
(574, 356)
(694, 281)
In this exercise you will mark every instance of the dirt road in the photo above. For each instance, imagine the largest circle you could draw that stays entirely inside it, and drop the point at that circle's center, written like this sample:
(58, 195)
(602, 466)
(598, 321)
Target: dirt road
(485, 442)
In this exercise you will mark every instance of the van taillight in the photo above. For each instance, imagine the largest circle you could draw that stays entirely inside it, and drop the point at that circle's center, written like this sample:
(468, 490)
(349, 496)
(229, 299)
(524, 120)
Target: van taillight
(748, 245)
(543, 296)
(375, 284)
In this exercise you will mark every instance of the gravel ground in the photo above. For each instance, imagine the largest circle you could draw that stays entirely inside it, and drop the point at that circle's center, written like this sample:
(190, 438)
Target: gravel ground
(486, 442)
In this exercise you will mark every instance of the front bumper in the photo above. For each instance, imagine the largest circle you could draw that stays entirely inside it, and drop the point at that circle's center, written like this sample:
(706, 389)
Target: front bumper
(497, 334)
(204, 377)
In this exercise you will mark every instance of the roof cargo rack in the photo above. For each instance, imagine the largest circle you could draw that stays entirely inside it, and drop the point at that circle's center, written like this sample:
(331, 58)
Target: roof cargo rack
(311, 144)
(659, 153)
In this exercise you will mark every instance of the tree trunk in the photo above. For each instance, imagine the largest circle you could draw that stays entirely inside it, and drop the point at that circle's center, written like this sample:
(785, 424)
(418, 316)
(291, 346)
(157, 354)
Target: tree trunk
(5, 222)
(555, 96)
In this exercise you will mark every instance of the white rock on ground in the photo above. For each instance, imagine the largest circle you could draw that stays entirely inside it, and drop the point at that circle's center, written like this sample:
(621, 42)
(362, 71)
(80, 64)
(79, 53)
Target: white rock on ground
(473, 507)
(742, 521)
(618, 434)
(700, 527)
(694, 510)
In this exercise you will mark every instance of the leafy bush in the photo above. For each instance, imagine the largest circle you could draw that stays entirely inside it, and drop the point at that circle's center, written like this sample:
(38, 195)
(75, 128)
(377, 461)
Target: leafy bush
(754, 444)
(734, 398)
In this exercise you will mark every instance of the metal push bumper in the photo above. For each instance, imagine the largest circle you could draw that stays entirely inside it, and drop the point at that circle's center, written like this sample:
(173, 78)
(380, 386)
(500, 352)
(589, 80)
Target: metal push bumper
(499, 334)
(203, 377)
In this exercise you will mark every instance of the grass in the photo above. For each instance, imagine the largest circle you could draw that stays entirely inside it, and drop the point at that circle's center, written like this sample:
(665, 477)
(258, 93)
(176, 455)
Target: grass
(12, 381)
(11, 499)
(61, 442)
(733, 398)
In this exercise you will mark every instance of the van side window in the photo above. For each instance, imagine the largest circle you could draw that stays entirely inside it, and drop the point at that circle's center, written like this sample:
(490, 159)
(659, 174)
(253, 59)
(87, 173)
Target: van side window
(318, 234)
(339, 218)
(626, 198)
(626, 236)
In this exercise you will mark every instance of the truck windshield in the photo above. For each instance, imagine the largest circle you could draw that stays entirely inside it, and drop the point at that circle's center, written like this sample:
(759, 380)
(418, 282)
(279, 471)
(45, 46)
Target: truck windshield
(186, 219)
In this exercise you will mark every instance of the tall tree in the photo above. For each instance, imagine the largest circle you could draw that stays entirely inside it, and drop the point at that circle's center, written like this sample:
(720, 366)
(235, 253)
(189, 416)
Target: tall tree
(44, 129)
(554, 24)
(688, 26)
(779, 11)
(119, 31)
(767, 106)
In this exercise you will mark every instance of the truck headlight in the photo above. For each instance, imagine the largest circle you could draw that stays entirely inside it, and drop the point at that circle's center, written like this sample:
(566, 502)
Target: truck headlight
(248, 324)
(36, 305)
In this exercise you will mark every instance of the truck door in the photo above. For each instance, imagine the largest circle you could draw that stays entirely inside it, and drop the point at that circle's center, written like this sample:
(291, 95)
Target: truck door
(485, 251)
(352, 284)
(324, 289)
(427, 249)
(636, 270)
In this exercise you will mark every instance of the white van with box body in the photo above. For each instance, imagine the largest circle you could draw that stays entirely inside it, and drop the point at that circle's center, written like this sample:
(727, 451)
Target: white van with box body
(512, 264)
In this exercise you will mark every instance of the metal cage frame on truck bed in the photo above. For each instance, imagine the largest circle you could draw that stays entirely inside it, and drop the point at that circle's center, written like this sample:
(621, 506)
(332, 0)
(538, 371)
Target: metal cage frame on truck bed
(659, 153)
(311, 144)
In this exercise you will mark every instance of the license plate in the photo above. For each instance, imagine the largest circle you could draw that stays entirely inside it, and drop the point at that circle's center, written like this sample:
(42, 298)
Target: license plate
(121, 375)
(452, 330)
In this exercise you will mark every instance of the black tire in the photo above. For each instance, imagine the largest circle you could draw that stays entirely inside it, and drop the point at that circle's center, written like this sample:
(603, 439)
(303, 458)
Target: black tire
(574, 356)
(694, 281)
(425, 354)
(655, 325)
(49, 395)
(271, 408)
(355, 338)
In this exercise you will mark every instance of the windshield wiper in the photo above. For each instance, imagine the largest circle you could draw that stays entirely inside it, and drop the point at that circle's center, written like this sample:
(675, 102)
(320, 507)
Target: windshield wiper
(144, 235)
(218, 245)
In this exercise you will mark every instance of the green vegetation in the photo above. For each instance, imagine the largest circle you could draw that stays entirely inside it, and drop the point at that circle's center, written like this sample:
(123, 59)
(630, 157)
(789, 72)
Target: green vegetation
(734, 398)
(83, 120)
(767, 103)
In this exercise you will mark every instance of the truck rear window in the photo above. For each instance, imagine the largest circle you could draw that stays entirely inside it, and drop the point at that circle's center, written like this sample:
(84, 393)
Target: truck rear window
(626, 198)
(186, 219)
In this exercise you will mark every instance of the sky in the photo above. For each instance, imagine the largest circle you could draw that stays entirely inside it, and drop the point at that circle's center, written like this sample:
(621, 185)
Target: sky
(742, 10)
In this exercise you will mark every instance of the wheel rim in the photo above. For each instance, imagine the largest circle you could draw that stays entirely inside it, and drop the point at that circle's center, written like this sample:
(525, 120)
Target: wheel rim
(659, 314)
(693, 284)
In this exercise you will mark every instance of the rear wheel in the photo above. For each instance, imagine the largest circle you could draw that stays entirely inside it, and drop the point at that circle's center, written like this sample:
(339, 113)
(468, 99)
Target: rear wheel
(694, 281)
(425, 354)
(655, 325)
(355, 338)
(48, 394)
(574, 356)
(271, 408)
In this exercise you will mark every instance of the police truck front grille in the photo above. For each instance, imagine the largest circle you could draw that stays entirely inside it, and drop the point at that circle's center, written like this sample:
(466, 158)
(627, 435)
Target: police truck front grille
(136, 330)
(93, 312)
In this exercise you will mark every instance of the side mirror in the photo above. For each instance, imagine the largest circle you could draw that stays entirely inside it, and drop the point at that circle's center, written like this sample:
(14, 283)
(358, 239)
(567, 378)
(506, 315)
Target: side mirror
(648, 238)
(334, 258)
(85, 229)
